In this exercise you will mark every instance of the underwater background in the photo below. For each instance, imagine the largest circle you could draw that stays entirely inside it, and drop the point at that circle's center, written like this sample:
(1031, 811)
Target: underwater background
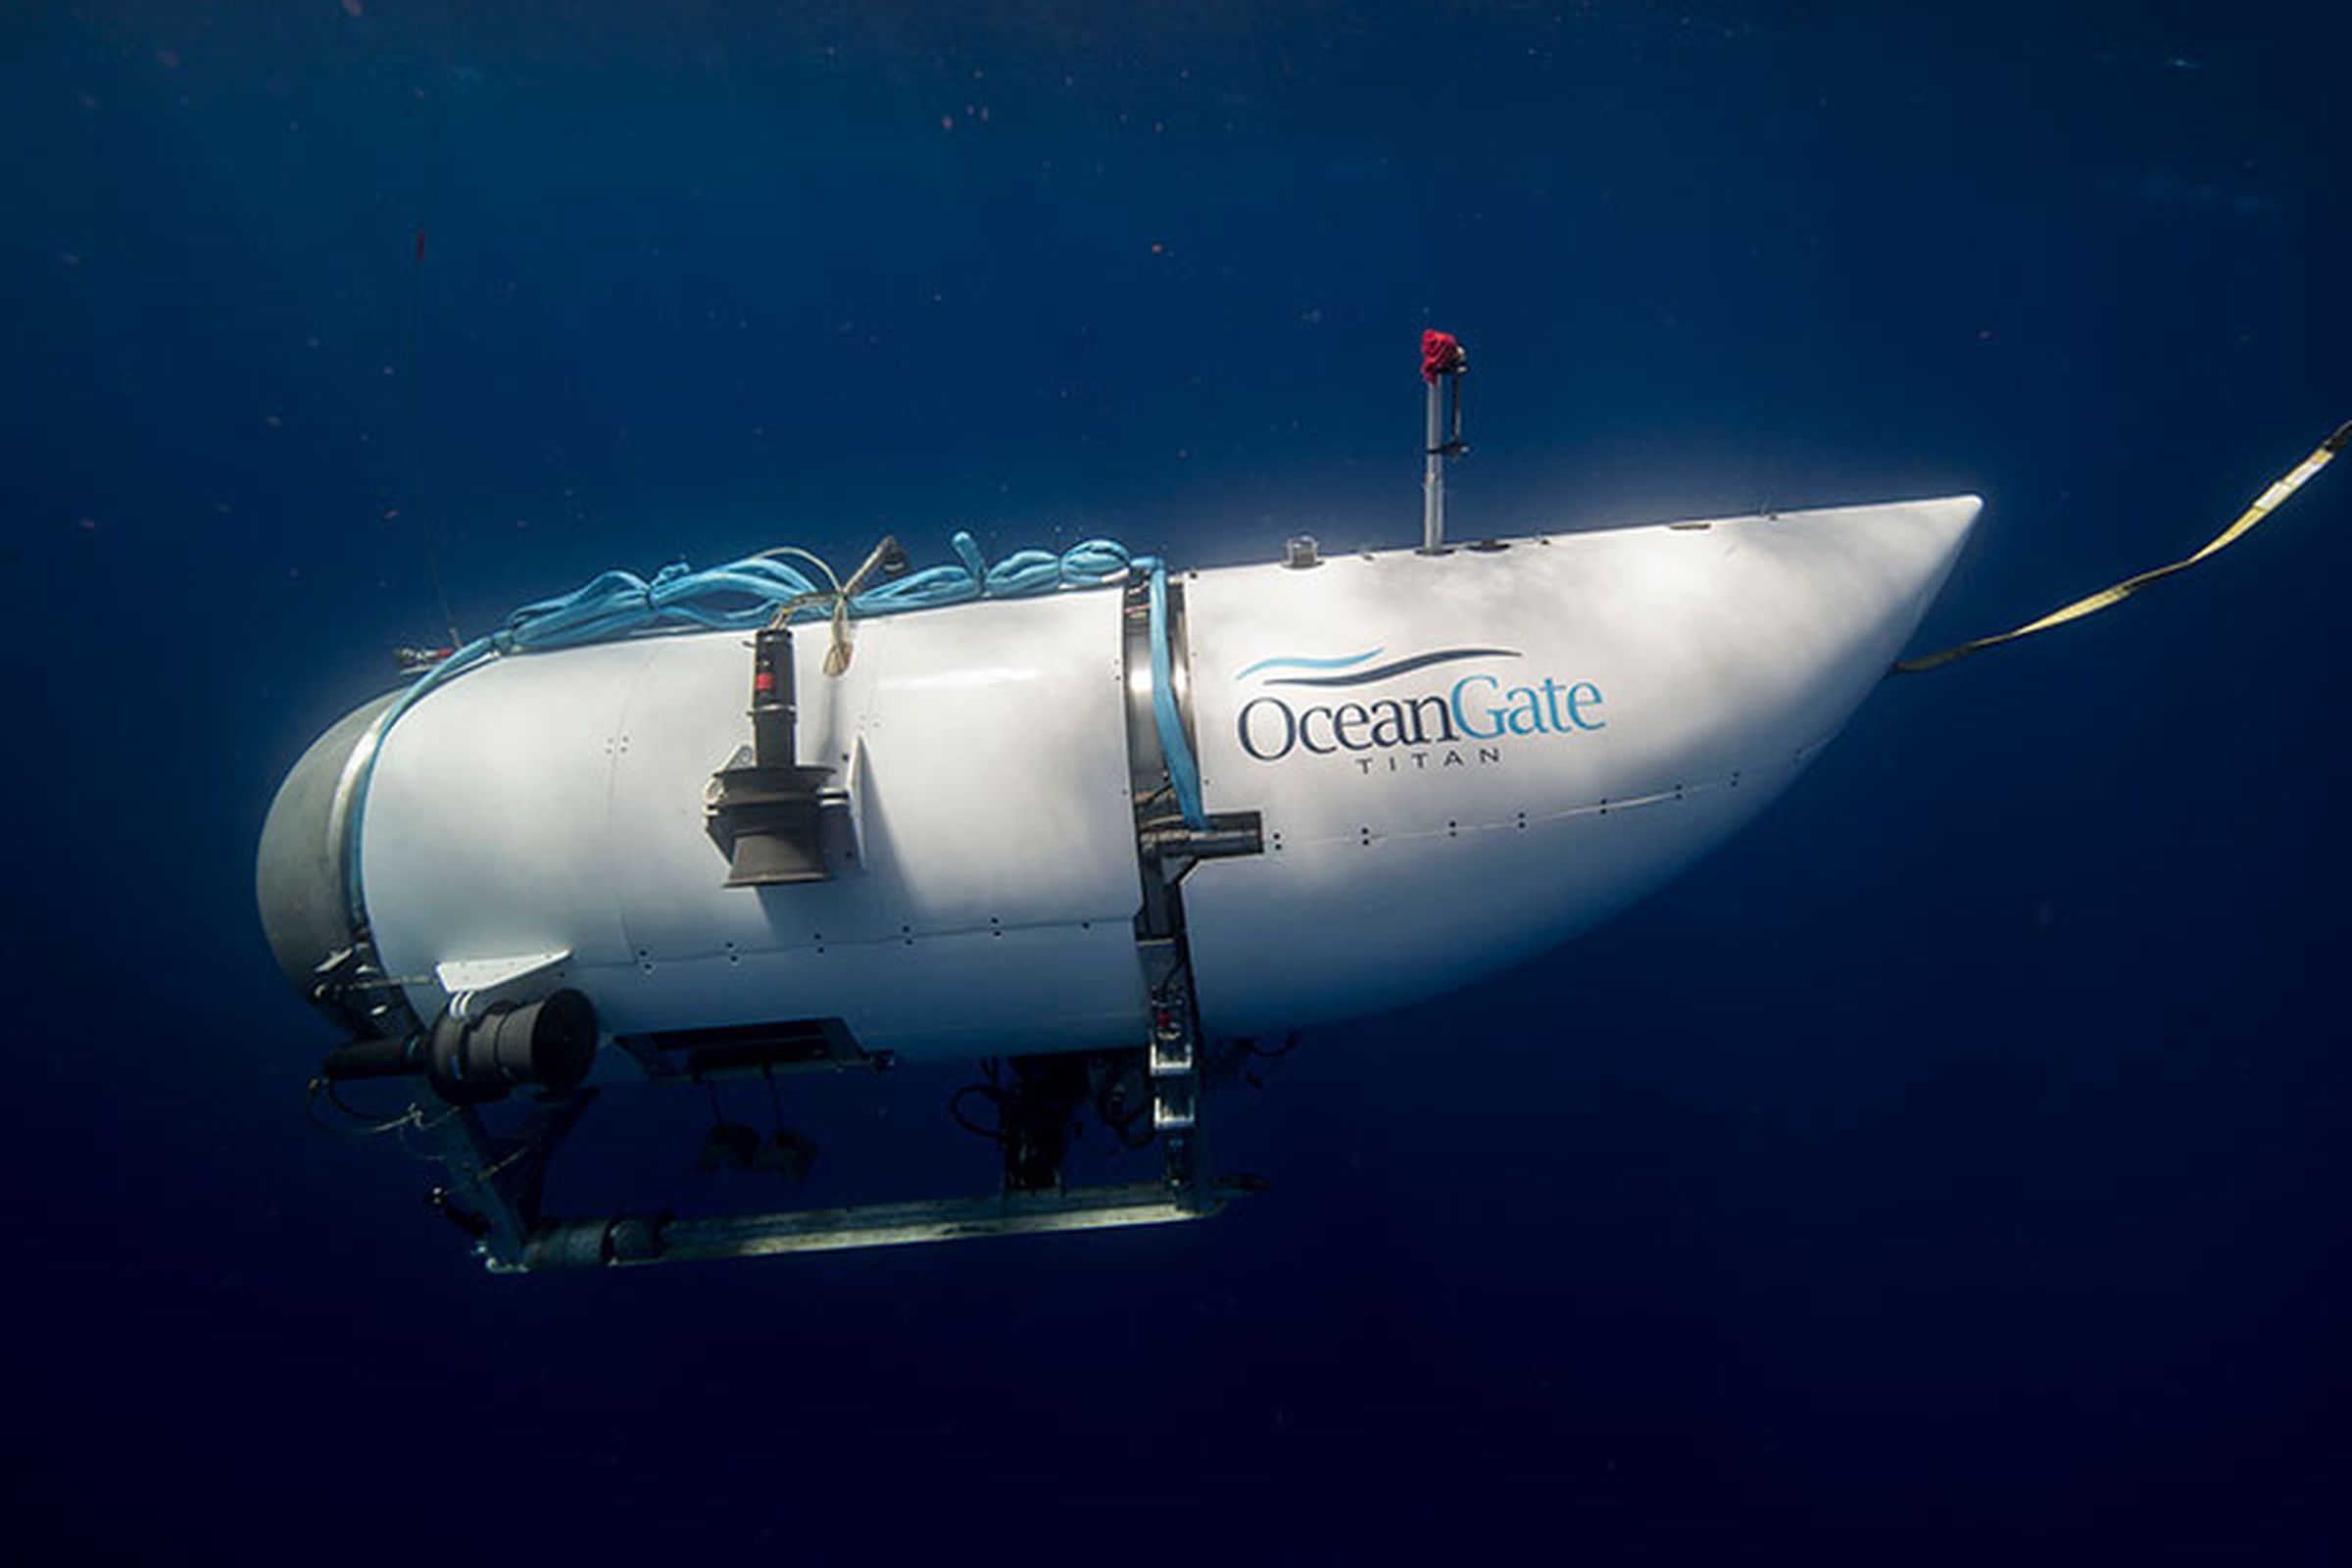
(1950, 1168)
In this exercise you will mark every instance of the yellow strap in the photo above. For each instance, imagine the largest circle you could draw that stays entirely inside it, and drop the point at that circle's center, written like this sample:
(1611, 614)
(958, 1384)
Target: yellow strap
(2264, 505)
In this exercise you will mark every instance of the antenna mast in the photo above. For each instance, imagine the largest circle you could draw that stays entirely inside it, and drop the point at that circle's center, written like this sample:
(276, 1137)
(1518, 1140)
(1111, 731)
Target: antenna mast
(1443, 363)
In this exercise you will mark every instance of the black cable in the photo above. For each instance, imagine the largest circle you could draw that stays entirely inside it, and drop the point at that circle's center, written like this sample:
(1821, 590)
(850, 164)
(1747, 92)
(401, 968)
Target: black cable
(956, 1111)
(361, 1125)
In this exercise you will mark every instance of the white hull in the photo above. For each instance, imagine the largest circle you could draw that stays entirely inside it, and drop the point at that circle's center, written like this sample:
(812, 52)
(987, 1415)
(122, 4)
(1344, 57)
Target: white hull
(1575, 721)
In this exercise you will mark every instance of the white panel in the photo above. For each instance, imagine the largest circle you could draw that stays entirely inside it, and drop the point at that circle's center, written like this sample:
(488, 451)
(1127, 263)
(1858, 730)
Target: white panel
(996, 764)
(486, 830)
(684, 720)
(554, 800)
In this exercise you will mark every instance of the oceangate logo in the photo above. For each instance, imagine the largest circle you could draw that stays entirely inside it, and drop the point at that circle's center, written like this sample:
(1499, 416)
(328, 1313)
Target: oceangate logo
(1475, 713)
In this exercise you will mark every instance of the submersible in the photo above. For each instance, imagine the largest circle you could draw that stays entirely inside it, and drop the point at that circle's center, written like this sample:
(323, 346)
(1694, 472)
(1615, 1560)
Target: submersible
(1093, 820)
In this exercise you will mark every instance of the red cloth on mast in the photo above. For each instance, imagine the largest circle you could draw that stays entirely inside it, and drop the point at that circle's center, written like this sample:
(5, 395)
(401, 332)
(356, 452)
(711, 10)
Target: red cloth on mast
(1440, 354)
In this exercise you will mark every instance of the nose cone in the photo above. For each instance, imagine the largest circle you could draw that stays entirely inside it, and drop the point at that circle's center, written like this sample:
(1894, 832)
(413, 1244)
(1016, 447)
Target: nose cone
(1946, 520)
(1727, 646)
(1844, 589)
(1920, 540)
(1463, 761)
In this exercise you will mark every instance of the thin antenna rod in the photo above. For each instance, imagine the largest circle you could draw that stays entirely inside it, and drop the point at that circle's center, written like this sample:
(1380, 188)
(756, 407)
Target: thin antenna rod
(1442, 363)
(1432, 477)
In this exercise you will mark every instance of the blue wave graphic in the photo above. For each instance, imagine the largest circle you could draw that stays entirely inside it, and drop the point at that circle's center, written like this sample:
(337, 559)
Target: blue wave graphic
(1401, 667)
(1308, 663)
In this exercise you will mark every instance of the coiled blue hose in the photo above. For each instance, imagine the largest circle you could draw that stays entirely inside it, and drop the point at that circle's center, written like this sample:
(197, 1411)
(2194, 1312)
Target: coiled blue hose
(745, 594)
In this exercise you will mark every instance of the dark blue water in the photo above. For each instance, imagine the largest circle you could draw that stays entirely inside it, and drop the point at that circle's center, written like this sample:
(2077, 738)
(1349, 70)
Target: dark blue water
(1951, 1168)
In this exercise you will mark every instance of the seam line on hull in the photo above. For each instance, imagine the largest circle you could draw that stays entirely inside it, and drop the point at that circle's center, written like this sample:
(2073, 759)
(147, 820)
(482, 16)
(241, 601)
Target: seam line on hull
(1457, 827)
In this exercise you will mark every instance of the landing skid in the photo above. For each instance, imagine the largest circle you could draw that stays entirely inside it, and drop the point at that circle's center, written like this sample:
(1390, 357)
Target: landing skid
(632, 1240)
(495, 1182)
